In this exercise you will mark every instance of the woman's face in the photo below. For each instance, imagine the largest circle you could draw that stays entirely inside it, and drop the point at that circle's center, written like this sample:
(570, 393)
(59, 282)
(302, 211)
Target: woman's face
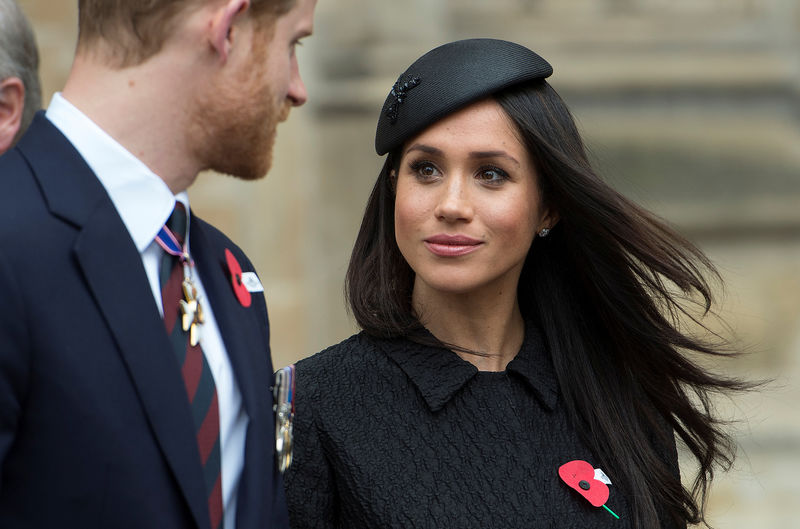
(467, 205)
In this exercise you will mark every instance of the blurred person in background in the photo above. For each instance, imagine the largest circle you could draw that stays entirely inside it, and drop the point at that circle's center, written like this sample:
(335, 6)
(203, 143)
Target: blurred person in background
(20, 92)
(134, 340)
(522, 361)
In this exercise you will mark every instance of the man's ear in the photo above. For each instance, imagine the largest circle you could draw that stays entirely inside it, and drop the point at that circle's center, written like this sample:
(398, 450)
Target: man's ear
(222, 26)
(12, 102)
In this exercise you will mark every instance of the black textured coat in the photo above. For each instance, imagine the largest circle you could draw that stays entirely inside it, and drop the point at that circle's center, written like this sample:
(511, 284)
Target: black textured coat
(392, 434)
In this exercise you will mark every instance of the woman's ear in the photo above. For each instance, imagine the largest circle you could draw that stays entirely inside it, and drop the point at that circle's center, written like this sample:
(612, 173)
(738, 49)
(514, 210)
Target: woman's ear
(547, 222)
(222, 26)
(551, 219)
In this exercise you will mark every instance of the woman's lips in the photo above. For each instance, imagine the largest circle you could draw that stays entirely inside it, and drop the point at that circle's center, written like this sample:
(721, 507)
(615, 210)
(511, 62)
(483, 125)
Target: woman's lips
(451, 245)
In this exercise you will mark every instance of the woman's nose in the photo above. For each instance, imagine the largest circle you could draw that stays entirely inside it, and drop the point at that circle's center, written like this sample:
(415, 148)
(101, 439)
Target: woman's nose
(454, 202)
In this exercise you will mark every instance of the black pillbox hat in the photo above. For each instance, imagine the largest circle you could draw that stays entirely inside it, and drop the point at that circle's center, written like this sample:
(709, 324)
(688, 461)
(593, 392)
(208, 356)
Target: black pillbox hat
(448, 78)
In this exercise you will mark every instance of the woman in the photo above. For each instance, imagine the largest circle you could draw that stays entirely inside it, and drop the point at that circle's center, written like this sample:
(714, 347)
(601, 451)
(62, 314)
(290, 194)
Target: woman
(521, 327)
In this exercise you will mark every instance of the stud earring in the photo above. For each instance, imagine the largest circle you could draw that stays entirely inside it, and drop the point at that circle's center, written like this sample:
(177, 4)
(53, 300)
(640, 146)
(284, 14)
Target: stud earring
(544, 232)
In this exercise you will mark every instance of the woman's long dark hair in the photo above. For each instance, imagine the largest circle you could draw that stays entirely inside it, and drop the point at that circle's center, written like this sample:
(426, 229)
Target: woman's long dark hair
(609, 288)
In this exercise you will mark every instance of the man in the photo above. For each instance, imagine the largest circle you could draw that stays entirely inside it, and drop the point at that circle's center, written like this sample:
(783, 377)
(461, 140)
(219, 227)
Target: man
(20, 95)
(134, 353)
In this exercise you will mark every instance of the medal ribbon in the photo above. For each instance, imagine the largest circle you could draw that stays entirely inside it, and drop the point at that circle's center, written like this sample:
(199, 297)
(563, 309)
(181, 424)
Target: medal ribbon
(169, 243)
(190, 307)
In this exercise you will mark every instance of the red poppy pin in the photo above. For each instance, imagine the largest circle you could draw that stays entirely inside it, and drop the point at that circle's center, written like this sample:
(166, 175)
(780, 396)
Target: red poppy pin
(239, 288)
(589, 482)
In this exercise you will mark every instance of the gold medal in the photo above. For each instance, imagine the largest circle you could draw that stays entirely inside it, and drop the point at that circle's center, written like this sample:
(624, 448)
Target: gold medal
(191, 309)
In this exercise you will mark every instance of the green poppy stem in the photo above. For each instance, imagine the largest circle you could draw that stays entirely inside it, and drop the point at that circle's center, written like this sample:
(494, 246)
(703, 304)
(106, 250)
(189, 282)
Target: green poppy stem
(612, 512)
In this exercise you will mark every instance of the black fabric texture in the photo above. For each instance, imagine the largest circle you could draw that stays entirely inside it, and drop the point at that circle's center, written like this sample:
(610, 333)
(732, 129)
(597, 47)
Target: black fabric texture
(392, 434)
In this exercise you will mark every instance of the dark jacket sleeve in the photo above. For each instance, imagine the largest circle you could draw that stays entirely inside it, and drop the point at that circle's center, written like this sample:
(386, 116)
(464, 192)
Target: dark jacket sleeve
(310, 490)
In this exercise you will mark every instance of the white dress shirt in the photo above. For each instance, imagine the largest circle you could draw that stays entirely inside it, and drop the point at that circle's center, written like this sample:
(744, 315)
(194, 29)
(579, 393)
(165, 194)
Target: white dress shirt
(144, 203)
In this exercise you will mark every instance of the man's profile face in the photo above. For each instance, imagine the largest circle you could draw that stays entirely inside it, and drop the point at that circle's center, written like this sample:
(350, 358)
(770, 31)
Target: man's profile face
(241, 114)
(280, 67)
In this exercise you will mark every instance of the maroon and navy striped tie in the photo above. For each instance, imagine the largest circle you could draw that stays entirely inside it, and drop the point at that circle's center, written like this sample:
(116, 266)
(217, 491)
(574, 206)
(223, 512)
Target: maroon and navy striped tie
(197, 377)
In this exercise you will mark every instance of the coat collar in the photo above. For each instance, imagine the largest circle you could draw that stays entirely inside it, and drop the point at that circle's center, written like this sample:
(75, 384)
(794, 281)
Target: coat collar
(439, 373)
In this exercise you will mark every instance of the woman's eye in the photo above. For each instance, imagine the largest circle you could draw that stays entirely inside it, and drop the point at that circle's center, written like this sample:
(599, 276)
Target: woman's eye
(425, 169)
(492, 175)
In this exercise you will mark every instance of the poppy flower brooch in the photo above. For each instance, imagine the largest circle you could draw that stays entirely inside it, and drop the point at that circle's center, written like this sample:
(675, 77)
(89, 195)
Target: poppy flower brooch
(589, 482)
(243, 283)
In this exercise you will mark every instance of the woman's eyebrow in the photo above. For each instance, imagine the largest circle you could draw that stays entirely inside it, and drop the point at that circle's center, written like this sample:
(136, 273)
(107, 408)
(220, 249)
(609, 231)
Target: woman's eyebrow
(493, 154)
(424, 148)
(428, 149)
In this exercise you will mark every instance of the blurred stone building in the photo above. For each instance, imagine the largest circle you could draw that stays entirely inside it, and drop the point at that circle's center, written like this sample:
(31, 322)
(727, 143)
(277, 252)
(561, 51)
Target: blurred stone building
(690, 106)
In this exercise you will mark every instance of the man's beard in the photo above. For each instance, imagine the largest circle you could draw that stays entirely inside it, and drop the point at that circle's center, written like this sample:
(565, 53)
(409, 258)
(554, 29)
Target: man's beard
(235, 128)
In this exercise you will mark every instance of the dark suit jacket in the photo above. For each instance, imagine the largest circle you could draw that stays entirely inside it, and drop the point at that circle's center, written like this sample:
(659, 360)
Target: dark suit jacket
(95, 428)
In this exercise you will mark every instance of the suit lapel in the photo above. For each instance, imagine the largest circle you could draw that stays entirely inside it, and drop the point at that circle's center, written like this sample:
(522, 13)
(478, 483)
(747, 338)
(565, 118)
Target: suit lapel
(114, 273)
(245, 334)
(239, 326)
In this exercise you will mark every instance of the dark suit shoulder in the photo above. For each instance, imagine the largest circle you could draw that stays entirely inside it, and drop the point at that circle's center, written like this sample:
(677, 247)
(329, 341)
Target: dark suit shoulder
(32, 239)
(21, 199)
(13, 163)
(44, 177)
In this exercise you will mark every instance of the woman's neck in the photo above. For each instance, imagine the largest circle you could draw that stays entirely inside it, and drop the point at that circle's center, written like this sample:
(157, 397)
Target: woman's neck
(490, 324)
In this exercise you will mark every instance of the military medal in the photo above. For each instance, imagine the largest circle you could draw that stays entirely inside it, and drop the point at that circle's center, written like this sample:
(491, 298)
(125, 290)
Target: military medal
(283, 394)
(191, 309)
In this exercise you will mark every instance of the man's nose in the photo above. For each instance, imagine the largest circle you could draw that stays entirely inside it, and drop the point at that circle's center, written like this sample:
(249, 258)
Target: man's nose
(297, 93)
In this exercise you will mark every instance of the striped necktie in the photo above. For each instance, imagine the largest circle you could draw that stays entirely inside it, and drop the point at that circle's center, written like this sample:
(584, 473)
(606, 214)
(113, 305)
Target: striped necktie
(197, 377)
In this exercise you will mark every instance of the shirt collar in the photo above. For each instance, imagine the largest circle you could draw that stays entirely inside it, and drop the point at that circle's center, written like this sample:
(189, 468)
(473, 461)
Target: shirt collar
(143, 200)
(439, 373)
